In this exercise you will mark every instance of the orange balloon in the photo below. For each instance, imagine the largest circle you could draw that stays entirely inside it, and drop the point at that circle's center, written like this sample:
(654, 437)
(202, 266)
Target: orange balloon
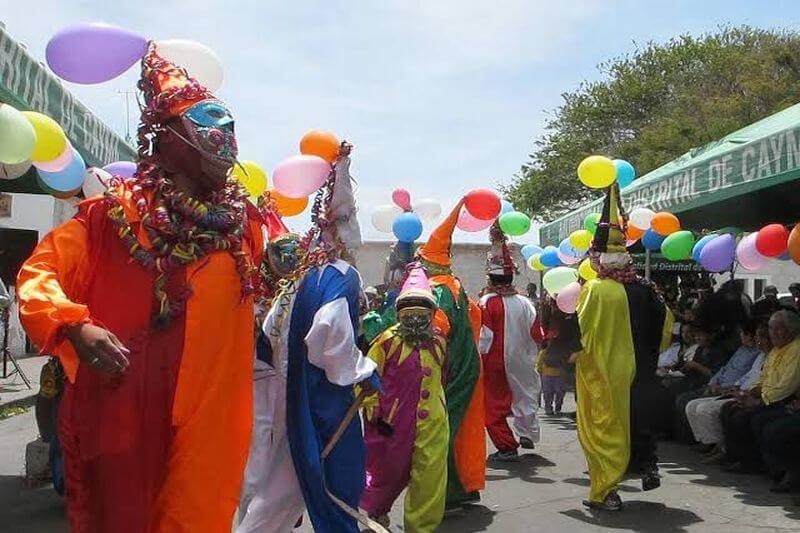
(665, 223)
(320, 143)
(794, 244)
(634, 233)
(288, 207)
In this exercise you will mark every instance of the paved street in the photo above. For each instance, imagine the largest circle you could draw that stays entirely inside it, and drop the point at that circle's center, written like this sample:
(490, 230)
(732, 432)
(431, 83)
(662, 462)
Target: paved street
(542, 492)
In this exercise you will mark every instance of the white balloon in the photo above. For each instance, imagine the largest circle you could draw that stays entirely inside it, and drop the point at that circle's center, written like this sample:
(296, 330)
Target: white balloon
(199, 61)
(12, 172)
(95, 182)
(428, 209)
(383, 217)
(641, 217)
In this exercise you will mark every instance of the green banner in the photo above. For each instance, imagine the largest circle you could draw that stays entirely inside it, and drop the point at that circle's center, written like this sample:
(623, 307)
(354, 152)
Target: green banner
(763, 154)
(28, 85)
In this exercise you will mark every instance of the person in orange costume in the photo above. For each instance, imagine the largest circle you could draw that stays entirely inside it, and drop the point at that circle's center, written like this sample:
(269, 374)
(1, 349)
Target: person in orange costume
(146, 297)
(460, 318)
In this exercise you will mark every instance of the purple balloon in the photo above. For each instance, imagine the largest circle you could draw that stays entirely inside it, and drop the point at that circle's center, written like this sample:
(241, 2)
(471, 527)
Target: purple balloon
(121, 169)
(93, 53)
(718, 254)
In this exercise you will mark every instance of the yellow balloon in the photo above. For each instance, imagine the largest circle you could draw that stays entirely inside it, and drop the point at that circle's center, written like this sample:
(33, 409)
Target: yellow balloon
(597, 172)
(586, 271)
(252, 177)
(51, 141)
(535, 263)
(580, 239)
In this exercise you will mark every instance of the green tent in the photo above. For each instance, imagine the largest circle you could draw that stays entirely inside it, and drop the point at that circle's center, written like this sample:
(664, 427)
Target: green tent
(746, 179)
(27, 85)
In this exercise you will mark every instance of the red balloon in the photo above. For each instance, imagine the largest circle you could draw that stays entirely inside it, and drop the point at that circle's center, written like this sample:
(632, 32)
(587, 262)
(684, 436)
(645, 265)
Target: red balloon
(483, 204)
(772, 240)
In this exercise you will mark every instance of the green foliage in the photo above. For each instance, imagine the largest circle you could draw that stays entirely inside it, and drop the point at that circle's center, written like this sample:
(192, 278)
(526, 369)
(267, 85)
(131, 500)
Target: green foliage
(654, 105)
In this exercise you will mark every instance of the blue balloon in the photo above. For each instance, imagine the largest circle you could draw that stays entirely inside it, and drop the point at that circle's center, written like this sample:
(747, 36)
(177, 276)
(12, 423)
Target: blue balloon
(549, 257)
(699, 245)
(625, 173)
(530, 249)
(505, 207)
(785, 257)
(407, 227)
(68, 179)
(652, 240)
(567, 249)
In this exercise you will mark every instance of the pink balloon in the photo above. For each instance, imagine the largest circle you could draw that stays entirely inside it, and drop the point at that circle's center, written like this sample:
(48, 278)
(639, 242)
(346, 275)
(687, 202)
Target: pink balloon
(471, 224)
(300, 176)
(567, 299)
(568, 259)
(58, 164)
(121, 169)
(748, 255)
(402, 199)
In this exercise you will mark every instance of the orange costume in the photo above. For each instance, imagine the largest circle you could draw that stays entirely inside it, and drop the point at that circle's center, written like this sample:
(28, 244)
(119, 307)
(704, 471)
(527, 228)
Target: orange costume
(460, 318)
(162, 446)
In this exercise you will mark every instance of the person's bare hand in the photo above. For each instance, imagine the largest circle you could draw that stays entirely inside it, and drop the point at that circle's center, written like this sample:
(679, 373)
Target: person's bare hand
(99, 348)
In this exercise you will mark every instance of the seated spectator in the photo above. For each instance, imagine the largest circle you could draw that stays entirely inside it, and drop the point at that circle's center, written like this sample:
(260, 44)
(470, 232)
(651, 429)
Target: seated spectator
(670, 358)
(780, 380)
(794, 289)
(703, 414)
(779, 442)
(723, 381)
(767, 304)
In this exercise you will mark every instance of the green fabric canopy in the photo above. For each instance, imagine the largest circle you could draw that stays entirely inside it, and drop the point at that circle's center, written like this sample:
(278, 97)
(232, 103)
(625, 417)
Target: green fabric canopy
(27, 85)
(744, 179)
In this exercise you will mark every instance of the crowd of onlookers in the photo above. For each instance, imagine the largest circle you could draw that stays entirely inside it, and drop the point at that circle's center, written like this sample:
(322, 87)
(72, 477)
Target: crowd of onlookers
(731, 383)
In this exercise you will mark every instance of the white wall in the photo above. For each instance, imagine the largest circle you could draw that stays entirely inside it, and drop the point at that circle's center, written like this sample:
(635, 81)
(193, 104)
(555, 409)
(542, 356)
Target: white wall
(469, 262)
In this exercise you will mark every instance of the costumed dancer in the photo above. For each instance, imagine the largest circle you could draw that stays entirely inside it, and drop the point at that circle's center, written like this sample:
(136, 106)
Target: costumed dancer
(316, 322)
(507, 345)
(379, 320)
(407, 430)
(459, 318)
(623, 324)
(146, 298)
(271, 499)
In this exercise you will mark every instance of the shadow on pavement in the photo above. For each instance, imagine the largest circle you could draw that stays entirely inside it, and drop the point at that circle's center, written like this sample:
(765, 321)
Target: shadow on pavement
(525, 469)
(471, 518)
(639, 516)
(30, 510)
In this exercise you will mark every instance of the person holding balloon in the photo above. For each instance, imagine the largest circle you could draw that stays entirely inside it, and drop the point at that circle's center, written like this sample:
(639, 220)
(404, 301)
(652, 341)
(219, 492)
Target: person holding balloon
(147, 299)
(623, 324)
(509, 355)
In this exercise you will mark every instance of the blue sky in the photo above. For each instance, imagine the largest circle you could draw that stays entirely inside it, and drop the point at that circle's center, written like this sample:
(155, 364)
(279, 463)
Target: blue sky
(438, 96)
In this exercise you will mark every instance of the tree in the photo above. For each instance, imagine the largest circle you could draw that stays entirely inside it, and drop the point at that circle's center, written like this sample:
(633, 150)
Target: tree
(655, 104)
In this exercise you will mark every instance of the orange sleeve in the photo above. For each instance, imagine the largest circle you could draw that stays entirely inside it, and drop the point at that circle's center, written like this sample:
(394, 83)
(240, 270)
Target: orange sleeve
(441, 322)
(475, 319)
(44, 281)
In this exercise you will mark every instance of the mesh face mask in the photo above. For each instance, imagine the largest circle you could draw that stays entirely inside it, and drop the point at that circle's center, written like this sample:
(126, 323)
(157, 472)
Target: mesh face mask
(416, 324)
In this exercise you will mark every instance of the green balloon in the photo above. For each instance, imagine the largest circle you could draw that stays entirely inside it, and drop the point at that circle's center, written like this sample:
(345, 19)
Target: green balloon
(515, 223)
(591, 221)
(17, 137)
(556, 279)
(678, 246)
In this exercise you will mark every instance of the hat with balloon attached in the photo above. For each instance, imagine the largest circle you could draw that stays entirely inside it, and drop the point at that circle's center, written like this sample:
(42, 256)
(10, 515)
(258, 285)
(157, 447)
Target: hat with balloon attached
(609, 239)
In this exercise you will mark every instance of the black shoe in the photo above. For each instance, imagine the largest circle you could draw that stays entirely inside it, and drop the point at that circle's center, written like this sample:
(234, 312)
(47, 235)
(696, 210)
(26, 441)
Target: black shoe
(651, 481)
(505, 457)
(526, 443)
(612, 503)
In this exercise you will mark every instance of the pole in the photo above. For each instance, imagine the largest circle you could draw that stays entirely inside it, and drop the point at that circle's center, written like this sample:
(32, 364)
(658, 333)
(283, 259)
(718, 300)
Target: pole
(647, 265)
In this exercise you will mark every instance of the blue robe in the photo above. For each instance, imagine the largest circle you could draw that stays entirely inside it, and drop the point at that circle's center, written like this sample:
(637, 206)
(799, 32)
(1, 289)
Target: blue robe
(316, 404)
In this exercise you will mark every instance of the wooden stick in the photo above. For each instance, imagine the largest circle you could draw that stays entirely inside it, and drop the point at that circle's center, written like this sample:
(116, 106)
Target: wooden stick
(348, 417)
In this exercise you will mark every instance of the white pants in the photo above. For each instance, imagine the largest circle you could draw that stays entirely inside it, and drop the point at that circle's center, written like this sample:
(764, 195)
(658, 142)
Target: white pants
(271, 498)
(703, 415)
